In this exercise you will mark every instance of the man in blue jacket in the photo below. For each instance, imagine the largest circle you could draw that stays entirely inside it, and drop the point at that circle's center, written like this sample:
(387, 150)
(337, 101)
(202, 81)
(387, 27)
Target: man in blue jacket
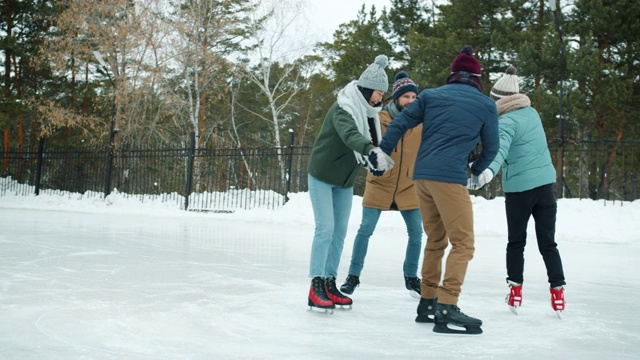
(454, 118)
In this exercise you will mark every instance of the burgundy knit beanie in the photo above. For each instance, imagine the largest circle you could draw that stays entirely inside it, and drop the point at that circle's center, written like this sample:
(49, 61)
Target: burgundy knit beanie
(466, 62)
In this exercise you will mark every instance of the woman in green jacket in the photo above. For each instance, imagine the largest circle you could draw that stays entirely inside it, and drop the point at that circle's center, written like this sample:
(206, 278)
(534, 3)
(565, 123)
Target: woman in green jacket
(347, 140)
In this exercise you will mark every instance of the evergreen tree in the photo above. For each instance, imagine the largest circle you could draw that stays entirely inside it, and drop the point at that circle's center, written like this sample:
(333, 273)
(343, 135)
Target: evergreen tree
(403, 20)
(355, 46)
(23, 27)
(605, 91)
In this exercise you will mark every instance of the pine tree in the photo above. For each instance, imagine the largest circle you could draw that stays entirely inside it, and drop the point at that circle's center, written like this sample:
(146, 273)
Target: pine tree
(355, 46)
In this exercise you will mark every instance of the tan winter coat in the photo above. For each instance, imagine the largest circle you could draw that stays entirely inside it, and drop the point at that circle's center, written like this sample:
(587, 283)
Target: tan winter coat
(396, 184)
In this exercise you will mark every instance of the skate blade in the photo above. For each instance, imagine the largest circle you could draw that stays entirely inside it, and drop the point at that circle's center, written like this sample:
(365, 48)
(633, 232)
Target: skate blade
(344, 307)
(319, 310)
(452, 329)
(560, 314)
(425, 319)
(414, 294)
(514, 309)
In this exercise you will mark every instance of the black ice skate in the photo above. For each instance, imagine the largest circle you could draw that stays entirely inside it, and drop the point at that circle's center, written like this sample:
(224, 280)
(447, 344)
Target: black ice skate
(413, 285)
(318, 297)
(450, 320)
(350, 284)
(426, 310)
(335, 295)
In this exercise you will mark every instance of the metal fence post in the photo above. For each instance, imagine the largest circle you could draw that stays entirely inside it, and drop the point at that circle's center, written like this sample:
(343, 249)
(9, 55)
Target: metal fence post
(190, 160)
(39, 165)
(107, 180)
(289, 166)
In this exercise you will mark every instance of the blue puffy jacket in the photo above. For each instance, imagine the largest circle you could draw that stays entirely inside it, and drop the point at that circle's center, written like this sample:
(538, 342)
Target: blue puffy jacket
(454, 117)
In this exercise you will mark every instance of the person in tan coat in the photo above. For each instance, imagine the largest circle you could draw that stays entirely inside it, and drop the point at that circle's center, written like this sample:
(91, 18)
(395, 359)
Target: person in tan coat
(393, 190)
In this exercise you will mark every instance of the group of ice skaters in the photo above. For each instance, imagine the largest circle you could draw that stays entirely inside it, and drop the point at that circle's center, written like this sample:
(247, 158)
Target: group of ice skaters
(419, 148)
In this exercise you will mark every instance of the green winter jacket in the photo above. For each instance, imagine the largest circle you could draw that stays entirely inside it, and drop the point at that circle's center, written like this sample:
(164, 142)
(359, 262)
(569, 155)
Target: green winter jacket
(332, 159)
(524, 155)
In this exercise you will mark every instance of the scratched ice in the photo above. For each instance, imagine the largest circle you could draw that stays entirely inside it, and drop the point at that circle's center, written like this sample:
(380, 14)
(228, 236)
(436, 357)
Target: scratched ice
(80, 280)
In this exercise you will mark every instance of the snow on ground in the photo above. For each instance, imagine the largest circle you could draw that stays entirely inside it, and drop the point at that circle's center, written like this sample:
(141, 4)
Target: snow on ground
(84, 278)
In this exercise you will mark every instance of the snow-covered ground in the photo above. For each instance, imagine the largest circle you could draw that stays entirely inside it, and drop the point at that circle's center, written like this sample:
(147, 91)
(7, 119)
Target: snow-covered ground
(84, 278)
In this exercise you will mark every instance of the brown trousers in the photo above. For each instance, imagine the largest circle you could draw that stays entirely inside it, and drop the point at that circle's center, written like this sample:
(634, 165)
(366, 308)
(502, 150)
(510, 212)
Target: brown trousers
(447, 216)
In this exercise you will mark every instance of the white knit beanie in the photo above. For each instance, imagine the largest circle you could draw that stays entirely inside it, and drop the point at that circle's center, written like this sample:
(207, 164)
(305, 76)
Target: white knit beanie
(374, 77)
(506, 85)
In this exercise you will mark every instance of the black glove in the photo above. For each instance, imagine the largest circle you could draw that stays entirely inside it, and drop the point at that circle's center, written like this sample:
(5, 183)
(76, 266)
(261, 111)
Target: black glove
(378, 160)
(376, 172)
(372, 163)
(473, 154)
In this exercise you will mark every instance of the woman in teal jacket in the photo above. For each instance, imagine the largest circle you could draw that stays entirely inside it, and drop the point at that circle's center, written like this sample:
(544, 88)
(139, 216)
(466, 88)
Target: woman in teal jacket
(527, 179)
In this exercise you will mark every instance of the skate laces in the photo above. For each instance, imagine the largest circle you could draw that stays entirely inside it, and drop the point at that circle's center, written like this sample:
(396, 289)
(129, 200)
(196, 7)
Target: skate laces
(557, 298)
(456, 312)
(414, 282)
(353, 281)
(317, 291)
(318, 285)
(332, 288)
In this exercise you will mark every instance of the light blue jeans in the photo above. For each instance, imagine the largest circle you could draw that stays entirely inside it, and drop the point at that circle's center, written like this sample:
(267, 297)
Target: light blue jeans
(331, 209)
(370, 217)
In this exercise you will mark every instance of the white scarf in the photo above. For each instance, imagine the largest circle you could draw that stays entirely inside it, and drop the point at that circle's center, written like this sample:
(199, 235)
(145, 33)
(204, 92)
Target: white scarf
(351, 100)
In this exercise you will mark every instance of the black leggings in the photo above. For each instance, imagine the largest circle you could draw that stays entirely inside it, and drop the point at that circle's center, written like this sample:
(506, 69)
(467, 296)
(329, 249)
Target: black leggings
(540, 203)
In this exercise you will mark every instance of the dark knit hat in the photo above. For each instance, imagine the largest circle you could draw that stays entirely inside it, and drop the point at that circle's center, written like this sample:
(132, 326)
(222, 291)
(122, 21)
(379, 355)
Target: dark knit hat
(466, 62)
(506, 85)
(374, 77)
(402, 84)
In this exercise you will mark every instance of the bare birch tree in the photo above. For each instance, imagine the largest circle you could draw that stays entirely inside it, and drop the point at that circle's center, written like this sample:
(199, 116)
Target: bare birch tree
(205, 33)
(278, 71)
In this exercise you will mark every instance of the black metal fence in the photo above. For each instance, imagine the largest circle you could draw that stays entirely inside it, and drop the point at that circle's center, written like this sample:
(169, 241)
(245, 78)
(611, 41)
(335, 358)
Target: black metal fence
(244, 178)
(196, 179)
(591, 170)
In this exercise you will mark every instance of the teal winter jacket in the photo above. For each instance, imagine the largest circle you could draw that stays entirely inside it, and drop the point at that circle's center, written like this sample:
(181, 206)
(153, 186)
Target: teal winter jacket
(524, 155)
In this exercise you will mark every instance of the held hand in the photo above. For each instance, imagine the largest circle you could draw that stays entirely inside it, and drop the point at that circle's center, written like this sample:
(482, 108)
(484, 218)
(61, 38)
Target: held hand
(472, 183)
(371, 165)
(376, 172)
(379, 160)
(372, 168)
(478, 182)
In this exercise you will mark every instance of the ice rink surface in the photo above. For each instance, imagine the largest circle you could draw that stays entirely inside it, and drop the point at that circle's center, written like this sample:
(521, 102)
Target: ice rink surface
(76, 285)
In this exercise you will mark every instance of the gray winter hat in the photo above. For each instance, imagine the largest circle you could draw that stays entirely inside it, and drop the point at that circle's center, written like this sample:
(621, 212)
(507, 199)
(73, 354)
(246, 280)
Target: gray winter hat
(374, 77)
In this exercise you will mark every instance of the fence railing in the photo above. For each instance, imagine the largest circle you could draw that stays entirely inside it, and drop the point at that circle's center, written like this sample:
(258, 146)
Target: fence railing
(228, 179)
(591, 170)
